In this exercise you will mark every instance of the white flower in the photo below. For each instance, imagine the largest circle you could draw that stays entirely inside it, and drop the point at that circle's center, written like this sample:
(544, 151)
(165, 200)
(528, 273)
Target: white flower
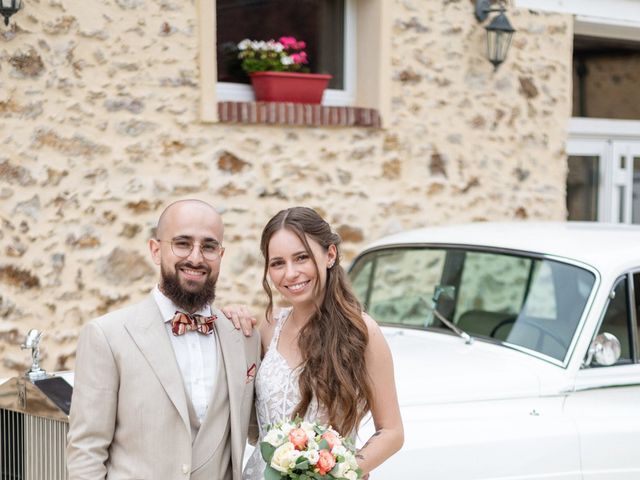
(244, 44)
(308, 429)
(281, 457)
(338, 450)
(351, 475)
(275, 437)
(292, 456)
(286, 60)
(312, 444)
(343, 468)
(350, 458)
(312, 456)
(287, 427)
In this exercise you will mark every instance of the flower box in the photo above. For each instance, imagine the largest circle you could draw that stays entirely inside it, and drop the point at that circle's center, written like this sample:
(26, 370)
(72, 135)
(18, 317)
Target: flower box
(289, 86)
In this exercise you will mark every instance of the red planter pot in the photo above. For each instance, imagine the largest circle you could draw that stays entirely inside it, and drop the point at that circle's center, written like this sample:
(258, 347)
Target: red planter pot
(289, 87)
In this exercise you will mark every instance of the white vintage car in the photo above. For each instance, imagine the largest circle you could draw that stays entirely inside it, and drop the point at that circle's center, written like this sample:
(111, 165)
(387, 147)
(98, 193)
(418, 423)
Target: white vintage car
(515, 346)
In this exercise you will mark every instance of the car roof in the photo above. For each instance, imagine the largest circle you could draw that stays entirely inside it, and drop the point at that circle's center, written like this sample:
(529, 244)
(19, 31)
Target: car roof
(597, 244)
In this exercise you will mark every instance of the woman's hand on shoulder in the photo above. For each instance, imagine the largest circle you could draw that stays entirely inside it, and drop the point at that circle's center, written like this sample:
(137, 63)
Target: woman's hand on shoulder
(241, 318)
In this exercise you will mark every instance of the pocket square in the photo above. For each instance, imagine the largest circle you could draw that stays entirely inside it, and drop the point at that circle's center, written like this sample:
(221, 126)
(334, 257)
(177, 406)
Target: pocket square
(251, 373)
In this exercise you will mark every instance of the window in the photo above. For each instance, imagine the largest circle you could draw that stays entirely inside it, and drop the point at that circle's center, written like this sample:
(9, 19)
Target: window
(527, 302)
(327, 27)
(617, 320)
(396, 286)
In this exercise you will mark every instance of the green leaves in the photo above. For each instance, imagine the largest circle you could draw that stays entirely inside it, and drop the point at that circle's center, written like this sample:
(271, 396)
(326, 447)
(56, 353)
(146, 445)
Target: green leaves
(267, 450)
(271, 474)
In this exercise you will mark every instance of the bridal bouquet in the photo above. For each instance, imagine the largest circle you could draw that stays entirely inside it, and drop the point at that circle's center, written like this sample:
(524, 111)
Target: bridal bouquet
(302, 450)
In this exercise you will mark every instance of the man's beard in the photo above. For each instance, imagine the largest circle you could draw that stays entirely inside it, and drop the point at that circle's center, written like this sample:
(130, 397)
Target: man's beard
(189, 301)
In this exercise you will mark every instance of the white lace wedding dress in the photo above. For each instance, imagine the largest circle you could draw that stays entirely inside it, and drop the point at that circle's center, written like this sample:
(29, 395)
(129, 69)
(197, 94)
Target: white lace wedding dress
(277, 394)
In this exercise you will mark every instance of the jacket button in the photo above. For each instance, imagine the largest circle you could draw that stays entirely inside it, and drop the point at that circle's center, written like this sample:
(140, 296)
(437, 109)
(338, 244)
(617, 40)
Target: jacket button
(185, 468)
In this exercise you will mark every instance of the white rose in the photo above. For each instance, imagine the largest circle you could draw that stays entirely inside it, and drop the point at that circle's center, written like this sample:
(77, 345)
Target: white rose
(281, 457)
(312, 456)
(338, 450)
(275, 437)
(351, 475)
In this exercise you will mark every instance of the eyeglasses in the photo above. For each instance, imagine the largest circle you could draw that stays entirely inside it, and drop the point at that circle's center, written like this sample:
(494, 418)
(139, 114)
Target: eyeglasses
(182, 247)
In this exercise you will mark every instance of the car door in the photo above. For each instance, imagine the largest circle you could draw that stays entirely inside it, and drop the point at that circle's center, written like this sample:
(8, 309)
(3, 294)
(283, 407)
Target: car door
(606, 401)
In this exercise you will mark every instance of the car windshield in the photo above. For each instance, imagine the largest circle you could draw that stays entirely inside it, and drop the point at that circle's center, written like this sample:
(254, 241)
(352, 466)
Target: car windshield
(530, 302)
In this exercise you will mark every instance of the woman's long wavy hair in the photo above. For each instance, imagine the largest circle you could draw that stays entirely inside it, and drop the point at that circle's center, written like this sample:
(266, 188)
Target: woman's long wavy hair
(333, 342)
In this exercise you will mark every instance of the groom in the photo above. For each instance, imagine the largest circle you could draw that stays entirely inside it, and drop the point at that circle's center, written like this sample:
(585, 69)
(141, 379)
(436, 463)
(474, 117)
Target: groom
(159, 394)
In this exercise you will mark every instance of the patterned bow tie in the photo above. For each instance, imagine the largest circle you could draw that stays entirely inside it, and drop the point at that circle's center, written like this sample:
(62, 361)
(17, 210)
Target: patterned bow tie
(185, 322)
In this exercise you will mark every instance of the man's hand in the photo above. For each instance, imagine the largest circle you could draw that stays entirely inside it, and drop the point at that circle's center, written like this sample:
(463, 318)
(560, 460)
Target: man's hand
(241, 318)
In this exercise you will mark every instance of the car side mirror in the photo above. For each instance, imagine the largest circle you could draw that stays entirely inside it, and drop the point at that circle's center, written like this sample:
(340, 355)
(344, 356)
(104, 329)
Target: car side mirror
(605, 350)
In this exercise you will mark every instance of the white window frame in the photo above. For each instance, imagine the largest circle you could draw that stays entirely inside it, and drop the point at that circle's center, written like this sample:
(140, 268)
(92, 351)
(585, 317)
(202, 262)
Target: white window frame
(240, 92)
(606, 11)
(609, 140)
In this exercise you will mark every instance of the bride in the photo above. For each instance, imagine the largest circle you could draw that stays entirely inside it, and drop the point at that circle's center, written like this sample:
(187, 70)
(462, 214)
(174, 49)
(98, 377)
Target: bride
(324, 358)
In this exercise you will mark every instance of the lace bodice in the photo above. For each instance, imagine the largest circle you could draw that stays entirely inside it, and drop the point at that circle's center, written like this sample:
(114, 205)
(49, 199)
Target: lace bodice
(277, 394)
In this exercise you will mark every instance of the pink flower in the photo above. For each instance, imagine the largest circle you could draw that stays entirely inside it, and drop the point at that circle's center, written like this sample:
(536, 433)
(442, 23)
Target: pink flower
(331, 438)
(299, 438)
(288, 42)
(299, 57)
(326, 462)
(300, 45)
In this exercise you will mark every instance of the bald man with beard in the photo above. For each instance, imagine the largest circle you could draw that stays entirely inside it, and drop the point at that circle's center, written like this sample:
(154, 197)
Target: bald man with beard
(164, 388)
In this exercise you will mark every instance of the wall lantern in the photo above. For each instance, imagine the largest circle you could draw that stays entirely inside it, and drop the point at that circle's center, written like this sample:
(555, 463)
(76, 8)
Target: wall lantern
(499, 31)
(8, 8)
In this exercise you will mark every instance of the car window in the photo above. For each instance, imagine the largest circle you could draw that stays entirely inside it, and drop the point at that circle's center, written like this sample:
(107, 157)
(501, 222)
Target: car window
(492, 282)
(396, 286)
(531, 302)
(617, 319)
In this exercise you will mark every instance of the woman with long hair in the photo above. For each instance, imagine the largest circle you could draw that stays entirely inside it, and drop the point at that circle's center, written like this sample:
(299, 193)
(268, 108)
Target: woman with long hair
(324, 358)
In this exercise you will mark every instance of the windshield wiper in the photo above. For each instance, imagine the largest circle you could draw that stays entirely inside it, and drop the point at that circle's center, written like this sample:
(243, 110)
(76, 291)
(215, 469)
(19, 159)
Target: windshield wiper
(446, 291)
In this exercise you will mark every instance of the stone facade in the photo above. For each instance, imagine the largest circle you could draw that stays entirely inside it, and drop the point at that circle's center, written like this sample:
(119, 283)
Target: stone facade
(100, 129)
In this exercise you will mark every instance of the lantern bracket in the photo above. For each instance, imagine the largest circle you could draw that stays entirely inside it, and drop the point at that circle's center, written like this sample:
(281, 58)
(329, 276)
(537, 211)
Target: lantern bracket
(483, 9)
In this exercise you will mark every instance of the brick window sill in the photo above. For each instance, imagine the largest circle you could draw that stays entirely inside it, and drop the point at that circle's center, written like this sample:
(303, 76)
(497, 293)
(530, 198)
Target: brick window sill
(297, 114)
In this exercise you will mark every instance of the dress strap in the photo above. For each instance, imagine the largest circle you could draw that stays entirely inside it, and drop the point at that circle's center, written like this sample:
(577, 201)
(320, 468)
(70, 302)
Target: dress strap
(280, 321)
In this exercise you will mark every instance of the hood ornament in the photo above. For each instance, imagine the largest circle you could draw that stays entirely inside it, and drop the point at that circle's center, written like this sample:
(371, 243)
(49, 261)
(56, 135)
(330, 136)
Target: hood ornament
(32, 341)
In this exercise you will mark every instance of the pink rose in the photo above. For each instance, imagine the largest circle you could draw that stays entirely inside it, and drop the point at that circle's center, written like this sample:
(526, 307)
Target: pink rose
(332, 439)
(326, 462)
(299, 438)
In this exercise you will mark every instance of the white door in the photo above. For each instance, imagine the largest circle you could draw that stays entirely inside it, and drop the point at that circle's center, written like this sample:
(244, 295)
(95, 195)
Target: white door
(606, 404)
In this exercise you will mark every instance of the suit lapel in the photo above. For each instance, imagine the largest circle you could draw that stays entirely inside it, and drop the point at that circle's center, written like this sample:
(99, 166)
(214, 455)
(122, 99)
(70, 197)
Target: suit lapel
(149, 333)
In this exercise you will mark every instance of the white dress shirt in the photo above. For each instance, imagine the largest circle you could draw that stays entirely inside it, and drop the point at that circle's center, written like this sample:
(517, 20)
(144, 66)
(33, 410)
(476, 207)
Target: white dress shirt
(196, 356)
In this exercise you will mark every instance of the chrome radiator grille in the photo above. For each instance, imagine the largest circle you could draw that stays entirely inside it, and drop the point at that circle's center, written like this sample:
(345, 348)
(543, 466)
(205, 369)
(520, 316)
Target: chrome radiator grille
(11, 445)
(32, 448)
(33, 433)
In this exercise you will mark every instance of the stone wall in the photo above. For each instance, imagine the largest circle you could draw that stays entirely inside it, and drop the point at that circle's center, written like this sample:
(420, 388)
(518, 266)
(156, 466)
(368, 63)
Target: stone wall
(99, 101)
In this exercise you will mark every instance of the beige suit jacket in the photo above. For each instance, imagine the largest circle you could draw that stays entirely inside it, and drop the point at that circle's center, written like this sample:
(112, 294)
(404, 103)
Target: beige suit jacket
(129, 415)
